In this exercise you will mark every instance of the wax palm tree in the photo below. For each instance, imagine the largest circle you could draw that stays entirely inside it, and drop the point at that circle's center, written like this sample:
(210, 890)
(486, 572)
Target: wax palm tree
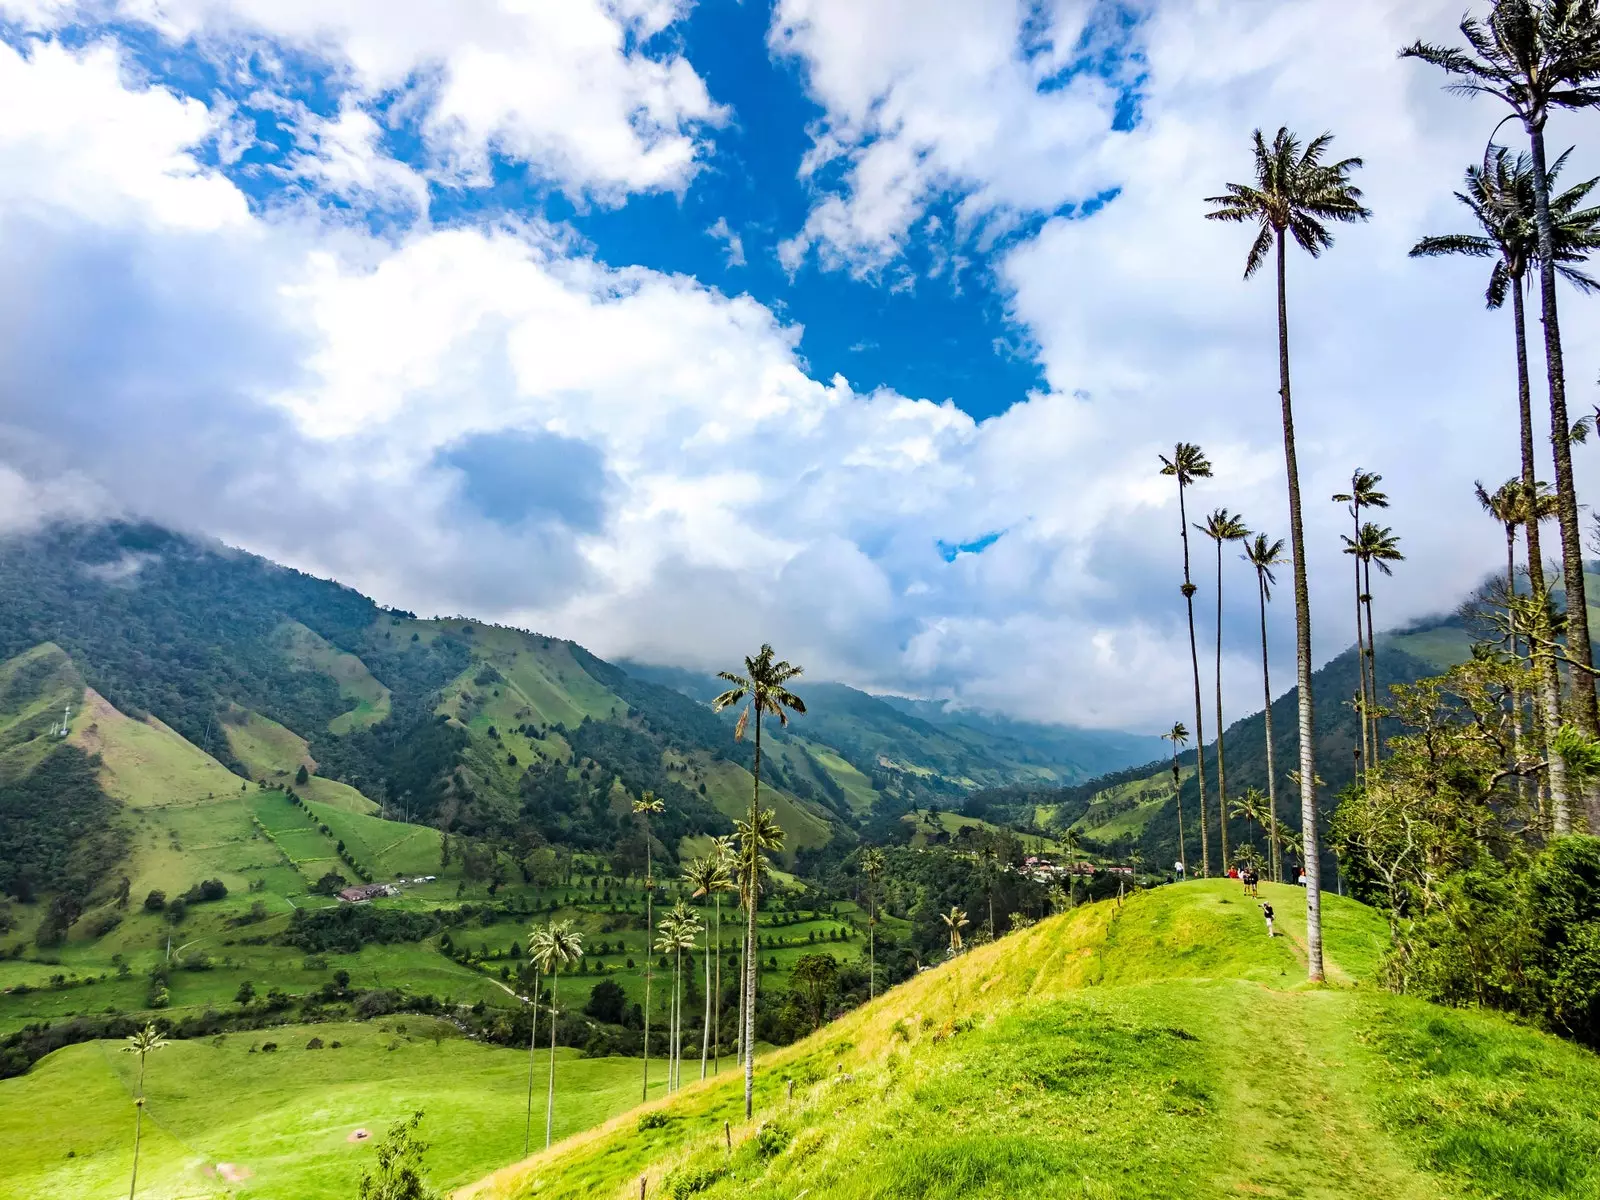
(1295, 193)
(1178, 735)
(763, 689)
(1376, 544)
(753, 867)
(707, 877)
(955, 921)
(1221, 526)
(1535, 56)
(143, 1043)
(677, 932)
(1188, 463)
(873, 863)
(533, 1037)
(722, 849)
(990, 859)
(1264, 556)
(555, 946)
(645, 807)
(1251, 808)
(1363, 493)
(1500, 195)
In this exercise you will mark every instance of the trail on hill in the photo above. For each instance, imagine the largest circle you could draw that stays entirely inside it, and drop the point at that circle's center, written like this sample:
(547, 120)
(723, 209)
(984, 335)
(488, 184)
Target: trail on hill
(1165, 1048)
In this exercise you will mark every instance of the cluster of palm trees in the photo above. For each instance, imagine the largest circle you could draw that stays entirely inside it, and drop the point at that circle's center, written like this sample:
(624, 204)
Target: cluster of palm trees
(1533, 57)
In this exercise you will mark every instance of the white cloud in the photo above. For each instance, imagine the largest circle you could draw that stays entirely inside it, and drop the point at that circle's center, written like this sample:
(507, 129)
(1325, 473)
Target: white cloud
(928, 97)
(732, 243)
(568, 86)
(290, 382)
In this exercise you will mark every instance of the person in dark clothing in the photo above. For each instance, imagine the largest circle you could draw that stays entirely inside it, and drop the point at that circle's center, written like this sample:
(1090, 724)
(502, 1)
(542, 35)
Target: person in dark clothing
(1266, 911)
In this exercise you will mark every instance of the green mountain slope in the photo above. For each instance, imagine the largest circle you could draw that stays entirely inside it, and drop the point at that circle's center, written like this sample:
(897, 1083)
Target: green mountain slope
(1161, 1048)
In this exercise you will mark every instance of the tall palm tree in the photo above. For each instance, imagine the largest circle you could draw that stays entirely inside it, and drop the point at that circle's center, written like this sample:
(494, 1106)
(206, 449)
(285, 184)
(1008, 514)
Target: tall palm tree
(955, 920)
(990, 859)
(765, 685)
(1294, 194)
(645, 807)
(555, 946)
(1535, 56)
(1222, 526)
(722, 849)
(678, 931)
(1504, 504)
(1500, 196)
(1188, 463)
(873, 863)
(707, 877)
(533, 1038)
(755, 839)
(1376, 544)
(1264, 556)
(144, 1043)
(1363, 493)
(1178, 735)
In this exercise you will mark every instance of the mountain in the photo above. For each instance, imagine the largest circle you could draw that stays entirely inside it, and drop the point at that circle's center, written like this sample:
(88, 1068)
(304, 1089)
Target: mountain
(1135, 1049)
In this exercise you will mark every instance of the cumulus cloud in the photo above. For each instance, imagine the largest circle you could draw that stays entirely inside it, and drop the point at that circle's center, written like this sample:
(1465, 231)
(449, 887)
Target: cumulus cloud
(571, 88)
(363, 406)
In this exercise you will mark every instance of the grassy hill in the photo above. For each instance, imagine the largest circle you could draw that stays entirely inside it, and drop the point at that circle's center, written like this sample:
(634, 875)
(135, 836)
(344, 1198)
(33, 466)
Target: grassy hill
(1165, 1048)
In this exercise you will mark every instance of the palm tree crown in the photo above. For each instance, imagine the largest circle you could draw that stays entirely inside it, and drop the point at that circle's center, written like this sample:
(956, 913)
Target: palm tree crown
(1499, 195)
(1265, 555)
(955, 920)
(1188, 463)
(764, 684)
(1294, 191)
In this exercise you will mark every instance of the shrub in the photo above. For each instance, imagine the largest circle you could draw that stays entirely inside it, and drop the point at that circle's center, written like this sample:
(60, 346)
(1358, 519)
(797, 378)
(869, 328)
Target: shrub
(268, 1047)
(155, 901)
(653, 1120)
(314, 1044)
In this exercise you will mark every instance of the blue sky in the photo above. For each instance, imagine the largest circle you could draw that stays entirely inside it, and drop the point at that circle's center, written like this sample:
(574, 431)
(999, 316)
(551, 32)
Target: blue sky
(852, 325)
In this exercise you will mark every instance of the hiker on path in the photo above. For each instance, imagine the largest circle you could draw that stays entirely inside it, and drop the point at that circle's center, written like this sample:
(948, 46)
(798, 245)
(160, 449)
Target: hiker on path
(1266, 911)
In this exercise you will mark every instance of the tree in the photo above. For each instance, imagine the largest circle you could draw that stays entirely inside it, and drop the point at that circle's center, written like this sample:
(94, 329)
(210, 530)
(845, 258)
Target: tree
(814, 976)
(644, 807)
(1500, 196)
(398, 1174)
(753, 865)
(765, 685)
(144, 1043)
(557, 945)
(1264, 556)
(872, 865)
(302, 776)
(1178, 735)
(678, 930)
(535, 940)
(1221, 526)
(707, 877)
(722, 848)
(1295, 193)
(1188, 463)
(1534, 56)
(245, 994)
(1376, 544)
(955, 921)
(607, 1002)
(1364, 493)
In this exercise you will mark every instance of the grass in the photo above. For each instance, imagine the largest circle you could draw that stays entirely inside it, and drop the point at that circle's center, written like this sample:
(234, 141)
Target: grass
(35, 689)
(144, 763)
(953, 823)
(307, 649)
(286, 1116)
(1123, 810)
(1163, 1049)
(856, 786)
(271, 752)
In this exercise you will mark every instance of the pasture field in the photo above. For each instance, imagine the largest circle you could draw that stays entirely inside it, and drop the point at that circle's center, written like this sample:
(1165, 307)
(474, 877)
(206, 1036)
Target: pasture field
(285, 1116)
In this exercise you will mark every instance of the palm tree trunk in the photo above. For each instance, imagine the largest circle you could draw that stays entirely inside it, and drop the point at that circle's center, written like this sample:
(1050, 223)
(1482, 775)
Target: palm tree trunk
(1266, 712)
(872, 942)
(550, 1096)
(138, 1129)
(1302, 645)
(533, 1038)
(1222, 775)
(1518, 782)
(1547, 677)
(1361, 650)
(705, 1036)
(1577, 628)
(1372, 662)
(1199, 707)
(750, 964)
(649, 931)
(1177, 793)
(716, 1029)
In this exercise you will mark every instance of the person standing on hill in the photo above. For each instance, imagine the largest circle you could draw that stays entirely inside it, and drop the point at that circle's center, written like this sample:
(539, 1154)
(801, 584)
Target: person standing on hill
(1266, 911)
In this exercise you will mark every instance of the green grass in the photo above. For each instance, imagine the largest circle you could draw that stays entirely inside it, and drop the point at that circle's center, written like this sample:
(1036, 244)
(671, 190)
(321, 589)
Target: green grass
(271, 752)
(35, 689)
(728, 787)
(953, 823)
(856, 786)
(144, 763)
(286, 1116)
(1165, 1048)
(307, 649)
(1123, 810)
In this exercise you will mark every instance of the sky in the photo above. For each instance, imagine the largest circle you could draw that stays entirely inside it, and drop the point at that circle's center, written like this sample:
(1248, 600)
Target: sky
(855, 326)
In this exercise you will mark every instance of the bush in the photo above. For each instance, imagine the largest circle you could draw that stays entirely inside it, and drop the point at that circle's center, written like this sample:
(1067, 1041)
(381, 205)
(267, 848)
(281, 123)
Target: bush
(155, 901)
(314, 1044)
(606, 1002)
